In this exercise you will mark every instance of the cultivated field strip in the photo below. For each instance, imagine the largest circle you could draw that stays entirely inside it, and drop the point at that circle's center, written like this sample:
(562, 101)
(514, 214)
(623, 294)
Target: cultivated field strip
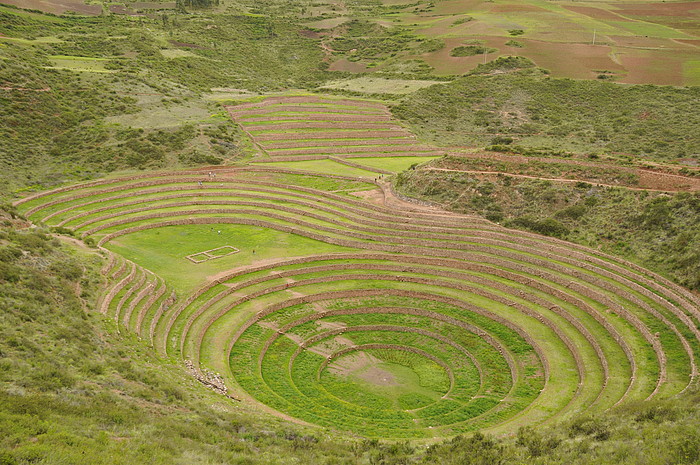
(504, 328)
(302, 126)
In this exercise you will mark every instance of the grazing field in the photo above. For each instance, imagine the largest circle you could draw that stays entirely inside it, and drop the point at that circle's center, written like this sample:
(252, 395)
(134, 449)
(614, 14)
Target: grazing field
(74, 63)
(326, 166)
(393, 164)
(384, 319)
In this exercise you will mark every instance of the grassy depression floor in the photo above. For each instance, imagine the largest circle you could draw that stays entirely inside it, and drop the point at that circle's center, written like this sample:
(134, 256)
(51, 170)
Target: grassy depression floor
(163, 250)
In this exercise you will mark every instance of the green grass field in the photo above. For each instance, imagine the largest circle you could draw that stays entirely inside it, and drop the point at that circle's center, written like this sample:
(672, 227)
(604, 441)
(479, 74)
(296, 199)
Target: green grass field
(163, 250)
(395, 164)
(74, 63)
(323, 166)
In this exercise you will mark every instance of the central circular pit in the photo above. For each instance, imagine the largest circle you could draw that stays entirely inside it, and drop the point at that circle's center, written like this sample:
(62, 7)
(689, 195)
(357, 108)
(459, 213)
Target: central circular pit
(387, 378)
(390, 364)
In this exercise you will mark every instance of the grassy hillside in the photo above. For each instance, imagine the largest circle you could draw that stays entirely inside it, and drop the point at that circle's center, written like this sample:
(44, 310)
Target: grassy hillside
(84, 96)
(527, 110)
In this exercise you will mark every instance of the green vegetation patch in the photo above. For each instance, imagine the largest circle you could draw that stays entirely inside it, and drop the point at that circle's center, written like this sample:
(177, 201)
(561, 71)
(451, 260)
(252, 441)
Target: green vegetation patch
(395, 164)
(558, 114)
(163, 250)
(471, 50)
(75, 63)
(323, 166)
(376, 85)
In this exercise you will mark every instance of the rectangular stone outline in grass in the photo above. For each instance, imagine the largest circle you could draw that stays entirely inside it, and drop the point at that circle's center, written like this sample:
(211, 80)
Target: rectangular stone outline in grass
(211, 254)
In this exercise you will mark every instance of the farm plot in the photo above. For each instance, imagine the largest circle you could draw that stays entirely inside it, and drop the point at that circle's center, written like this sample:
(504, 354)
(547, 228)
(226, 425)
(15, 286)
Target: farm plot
(373, 320)
(312, 127)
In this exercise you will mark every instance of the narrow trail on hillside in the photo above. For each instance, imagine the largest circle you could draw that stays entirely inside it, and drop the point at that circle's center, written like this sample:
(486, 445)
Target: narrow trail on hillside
(565, 180)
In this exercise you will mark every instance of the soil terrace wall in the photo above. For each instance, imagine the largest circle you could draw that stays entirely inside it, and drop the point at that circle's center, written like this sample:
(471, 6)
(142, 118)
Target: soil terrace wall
(135, 284)
(339, 135)
(299, 109)
(293, 144)
(159, 292)
(324, 125)
(301, 116)
(309, 99)
(145, 290)
(104, 307)
(383, 146)
(362, 293)
(516, 277)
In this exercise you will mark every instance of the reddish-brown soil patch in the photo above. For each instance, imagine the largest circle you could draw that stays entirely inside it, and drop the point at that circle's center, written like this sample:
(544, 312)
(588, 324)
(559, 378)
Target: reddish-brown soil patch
(513, 8)
(450, 7)
(667, 182)
(648, 179)
(57, 7)
(376, 375)
(352, 363)
(153, 5)
(335, 142)
(660, 9)
(653, 67)
(309, 34)
(301, 99)
(444, 63)
(330, 135)
(324, 125)
(596, 13)
(571, 60)
(317, 117)
(695, 42)
(347, 66)
(374, 196)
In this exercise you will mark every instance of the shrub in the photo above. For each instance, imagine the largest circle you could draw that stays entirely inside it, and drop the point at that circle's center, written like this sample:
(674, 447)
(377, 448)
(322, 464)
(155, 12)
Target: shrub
(590, 426)
(574, 212)
(51, 379)
(197, 158)
(547, 227)
(501, 140)
(471, 50)
(535, 442)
